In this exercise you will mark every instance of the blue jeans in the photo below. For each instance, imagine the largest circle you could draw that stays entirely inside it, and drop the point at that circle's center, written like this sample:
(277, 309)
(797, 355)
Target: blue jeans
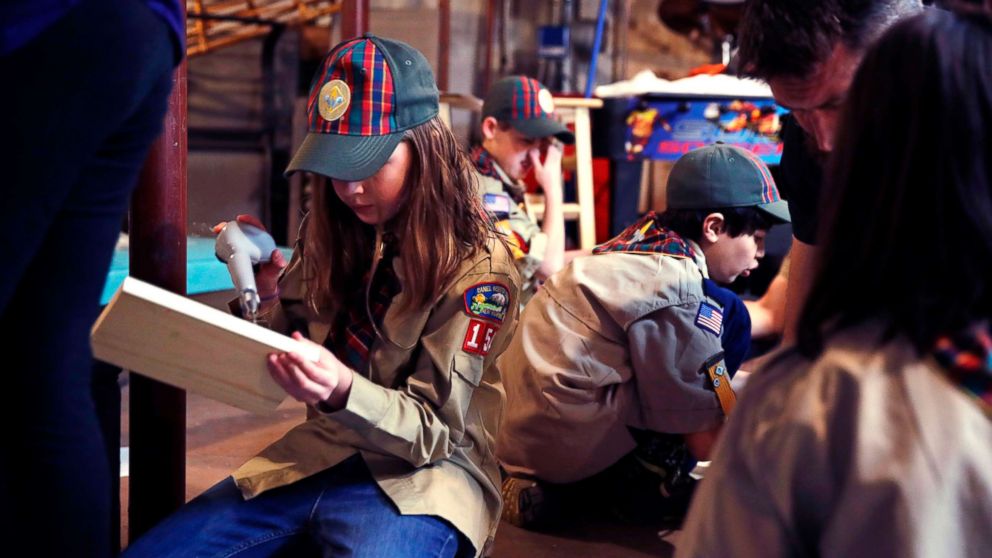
(339, 512)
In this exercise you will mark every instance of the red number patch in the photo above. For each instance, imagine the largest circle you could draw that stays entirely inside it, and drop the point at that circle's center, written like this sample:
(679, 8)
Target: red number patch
(479, 337)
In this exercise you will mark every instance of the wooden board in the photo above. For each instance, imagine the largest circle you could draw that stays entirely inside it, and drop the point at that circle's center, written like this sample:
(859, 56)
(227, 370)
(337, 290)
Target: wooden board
(178, 341)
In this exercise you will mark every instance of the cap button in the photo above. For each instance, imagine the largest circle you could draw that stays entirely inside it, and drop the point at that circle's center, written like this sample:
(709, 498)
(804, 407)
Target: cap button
(367, 35)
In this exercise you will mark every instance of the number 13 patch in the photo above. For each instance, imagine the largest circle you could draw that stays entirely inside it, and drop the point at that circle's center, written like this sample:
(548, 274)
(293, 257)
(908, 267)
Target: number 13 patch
(479, 337)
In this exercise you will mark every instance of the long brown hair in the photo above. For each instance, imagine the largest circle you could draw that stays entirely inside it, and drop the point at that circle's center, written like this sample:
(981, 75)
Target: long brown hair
(908, 241)
(440, 224)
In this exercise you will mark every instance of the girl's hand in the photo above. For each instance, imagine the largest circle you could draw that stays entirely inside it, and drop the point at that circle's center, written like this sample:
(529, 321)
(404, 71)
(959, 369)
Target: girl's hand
(267, 277)
(548, 173)
(326, 381)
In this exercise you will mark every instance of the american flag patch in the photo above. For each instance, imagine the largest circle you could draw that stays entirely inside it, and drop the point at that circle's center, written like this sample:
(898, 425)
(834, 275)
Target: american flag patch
(497, 204)
(709, 318)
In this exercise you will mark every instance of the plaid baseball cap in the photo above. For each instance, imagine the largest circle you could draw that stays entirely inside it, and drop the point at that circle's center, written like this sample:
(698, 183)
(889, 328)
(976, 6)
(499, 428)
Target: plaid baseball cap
(368, 92)
(721, 175)
(527, 106)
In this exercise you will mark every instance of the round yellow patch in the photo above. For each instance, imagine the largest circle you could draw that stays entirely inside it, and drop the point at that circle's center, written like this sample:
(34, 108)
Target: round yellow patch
(335, 97)
(544, 99)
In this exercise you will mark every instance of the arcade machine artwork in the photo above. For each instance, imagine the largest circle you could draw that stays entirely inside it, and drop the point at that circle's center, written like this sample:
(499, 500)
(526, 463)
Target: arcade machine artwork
(665, 128)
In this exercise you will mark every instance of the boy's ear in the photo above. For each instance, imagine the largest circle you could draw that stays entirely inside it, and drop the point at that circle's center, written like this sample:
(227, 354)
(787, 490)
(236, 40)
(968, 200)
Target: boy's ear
(713, 225)
(489, 127)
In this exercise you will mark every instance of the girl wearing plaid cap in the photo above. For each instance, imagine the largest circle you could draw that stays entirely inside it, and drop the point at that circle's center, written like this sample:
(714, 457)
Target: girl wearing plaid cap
(873, 436)
(402, 285)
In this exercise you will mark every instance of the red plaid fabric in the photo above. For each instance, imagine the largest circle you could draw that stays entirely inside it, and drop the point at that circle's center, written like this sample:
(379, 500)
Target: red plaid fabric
(352, 336)
(647, 236)
(484, 163)
(525, 104)
(362, 66)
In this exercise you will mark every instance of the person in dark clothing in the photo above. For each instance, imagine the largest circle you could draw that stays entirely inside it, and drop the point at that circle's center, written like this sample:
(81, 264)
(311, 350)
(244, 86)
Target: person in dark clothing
(872, 436)
(86, 87)
(808, 51)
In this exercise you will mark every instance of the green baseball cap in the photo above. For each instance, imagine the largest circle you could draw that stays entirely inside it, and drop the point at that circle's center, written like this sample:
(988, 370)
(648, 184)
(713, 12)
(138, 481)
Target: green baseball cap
(527, 106)
(368, 92)
(720, 175)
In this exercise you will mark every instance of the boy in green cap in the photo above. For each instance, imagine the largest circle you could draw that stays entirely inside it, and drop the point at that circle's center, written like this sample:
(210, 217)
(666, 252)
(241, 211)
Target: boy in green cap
(618, 375)
(518, 127)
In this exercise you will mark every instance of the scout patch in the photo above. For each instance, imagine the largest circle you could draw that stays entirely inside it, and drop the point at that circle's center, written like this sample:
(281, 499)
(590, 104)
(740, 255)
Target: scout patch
(479, 337)
(488, 301)
(335, 96)
(497, 204)
(546, 101)
(709, 318)
(639, 235)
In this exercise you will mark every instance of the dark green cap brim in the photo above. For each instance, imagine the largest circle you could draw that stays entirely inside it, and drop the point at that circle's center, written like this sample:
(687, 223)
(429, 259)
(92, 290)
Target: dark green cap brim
(544, 128)
(343, 157)
(779, 210)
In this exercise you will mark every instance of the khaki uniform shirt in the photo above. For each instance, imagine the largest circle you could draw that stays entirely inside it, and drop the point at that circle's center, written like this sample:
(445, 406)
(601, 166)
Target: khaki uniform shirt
(608, 343)
(526, 240)
(867, 451)
(424, 419)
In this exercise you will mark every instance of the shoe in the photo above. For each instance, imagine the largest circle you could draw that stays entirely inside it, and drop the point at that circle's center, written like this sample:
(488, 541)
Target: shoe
(525, 502)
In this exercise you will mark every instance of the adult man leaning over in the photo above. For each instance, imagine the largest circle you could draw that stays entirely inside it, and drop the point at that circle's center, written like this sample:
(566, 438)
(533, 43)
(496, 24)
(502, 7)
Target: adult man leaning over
(808, 51)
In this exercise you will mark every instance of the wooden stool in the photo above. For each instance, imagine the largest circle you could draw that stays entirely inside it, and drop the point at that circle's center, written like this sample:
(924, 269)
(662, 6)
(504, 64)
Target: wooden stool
(576, 111)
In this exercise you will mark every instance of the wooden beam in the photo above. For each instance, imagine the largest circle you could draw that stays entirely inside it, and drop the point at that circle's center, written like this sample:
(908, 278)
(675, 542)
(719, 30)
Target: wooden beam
(354, 18)
(487, 65)
(620, 28)
(578, 102)
(443, 43)
(157, 483)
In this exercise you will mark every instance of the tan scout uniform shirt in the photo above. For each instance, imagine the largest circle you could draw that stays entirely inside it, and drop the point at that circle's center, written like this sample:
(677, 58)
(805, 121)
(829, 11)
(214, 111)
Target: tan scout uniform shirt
(527, 242)
(608, 343)
(424, 420)
(864, 452)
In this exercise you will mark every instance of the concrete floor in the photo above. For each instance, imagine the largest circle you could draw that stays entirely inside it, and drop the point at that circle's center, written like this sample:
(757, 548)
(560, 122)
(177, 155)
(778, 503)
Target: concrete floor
(220, 437)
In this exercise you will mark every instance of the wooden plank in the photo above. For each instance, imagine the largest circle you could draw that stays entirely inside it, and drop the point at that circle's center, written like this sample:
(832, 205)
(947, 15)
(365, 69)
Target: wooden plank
(535, 208)
(578, 102)
(191, 346)
(576, 111)
(583, 176)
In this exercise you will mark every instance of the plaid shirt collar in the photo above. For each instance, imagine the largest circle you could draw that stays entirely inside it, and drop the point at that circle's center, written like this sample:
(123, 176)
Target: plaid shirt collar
(353, 334)
(646, 236)
(487, 166)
